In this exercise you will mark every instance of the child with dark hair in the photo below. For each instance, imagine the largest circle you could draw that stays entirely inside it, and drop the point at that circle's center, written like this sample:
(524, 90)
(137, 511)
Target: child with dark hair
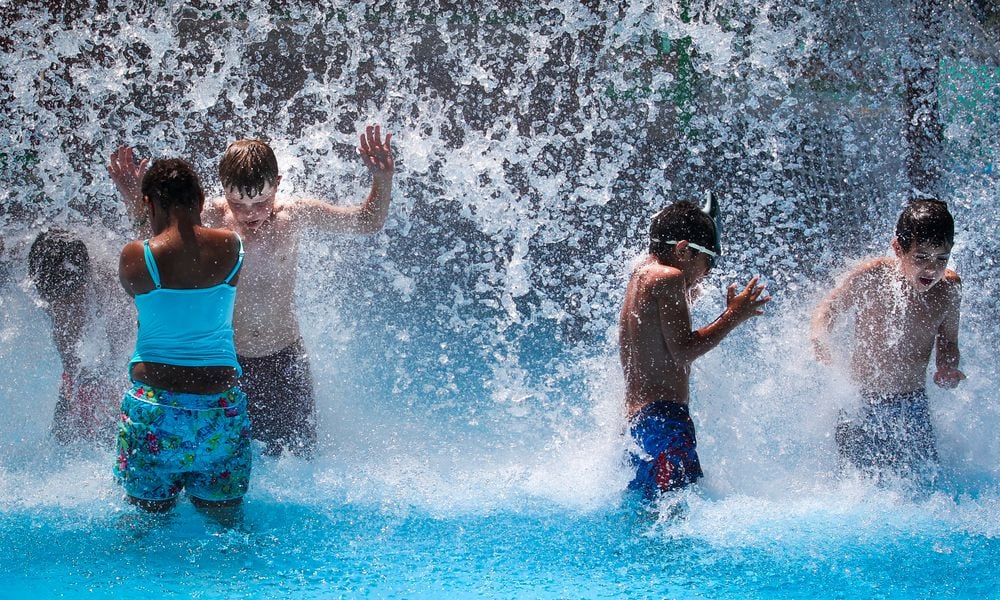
(276, 375)
(905, 307)
(58, 264)
(60, 269)
(659, 343)
(184, 422)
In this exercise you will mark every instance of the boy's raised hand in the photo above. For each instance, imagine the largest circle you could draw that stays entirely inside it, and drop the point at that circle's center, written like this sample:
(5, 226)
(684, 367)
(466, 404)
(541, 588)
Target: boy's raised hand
(127, 176)
(376, 153)
(747, 303)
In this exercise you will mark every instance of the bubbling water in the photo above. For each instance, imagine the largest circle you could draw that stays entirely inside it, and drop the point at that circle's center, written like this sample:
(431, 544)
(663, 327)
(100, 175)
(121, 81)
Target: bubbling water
(465, 357)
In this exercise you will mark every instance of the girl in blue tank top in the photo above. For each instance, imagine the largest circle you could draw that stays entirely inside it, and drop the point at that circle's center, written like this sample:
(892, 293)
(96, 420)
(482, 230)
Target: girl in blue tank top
(184, 424)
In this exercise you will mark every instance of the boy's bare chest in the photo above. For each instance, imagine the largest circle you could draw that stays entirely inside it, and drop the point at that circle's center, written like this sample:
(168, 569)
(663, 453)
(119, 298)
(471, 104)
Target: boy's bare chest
(895, 317)
(269, 260)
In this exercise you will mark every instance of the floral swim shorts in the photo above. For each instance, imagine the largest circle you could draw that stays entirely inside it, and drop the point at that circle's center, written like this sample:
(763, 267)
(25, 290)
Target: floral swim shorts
(170, 441)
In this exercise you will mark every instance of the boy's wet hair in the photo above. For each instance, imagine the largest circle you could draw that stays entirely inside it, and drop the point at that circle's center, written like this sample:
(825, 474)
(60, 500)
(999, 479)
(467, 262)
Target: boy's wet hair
(680, 221)
(172, 182)
(925, 222)
(58, 264)
(248, 165)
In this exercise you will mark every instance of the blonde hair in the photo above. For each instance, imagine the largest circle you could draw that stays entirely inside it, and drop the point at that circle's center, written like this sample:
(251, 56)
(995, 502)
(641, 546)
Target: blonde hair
(248, 165)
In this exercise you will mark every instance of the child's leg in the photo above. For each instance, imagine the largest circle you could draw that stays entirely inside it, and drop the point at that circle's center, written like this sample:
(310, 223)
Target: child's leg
(917, 445)
(665, 433)
(153, 506)
(228, 513)
(220, 469)
(150, 463)
(850, 449)
(300, 412)
(62, 427)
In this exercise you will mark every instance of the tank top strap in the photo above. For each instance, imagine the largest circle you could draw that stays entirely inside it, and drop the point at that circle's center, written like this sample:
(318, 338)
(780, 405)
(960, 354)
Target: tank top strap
(154, 273)
(239, 260)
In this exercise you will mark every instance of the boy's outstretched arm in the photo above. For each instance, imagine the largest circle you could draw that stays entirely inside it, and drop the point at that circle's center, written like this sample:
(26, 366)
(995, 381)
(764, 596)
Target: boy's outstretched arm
(127, 176)
(686, 345)
(370, 215)
(947, 355)
(828, 312)
(68, 318)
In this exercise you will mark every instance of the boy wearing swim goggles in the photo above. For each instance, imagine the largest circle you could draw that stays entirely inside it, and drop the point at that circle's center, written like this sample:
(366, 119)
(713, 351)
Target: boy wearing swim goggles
(658, 342)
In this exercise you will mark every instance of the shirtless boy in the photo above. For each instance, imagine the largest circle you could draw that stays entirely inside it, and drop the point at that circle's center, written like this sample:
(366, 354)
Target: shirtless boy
(658, 343)
(905, 307)
(88, 329)
(276, 376)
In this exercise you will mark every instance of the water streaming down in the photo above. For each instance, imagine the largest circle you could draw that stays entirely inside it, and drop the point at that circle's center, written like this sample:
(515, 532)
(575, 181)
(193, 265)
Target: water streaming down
(465, 358)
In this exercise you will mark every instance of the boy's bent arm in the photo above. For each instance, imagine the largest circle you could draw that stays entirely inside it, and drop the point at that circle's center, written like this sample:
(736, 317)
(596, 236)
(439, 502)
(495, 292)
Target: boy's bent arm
(367, 217)
(829, 310)
(67, 330)
(686, 345)
(370, 215)
(947, 355)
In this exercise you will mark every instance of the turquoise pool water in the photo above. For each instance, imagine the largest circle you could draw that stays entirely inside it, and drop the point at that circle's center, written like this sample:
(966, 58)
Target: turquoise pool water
(844, 542)
(463, 500)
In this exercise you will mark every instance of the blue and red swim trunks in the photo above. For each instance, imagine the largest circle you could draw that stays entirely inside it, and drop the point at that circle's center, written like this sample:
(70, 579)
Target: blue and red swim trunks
(668, 457)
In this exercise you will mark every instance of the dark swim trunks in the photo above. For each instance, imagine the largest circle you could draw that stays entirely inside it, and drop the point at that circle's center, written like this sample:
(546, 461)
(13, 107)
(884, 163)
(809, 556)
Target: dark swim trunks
(891, 435)
(664, 433)
(280, 400)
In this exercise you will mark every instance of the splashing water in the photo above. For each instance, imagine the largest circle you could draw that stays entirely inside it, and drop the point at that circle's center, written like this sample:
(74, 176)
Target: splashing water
(465, 358)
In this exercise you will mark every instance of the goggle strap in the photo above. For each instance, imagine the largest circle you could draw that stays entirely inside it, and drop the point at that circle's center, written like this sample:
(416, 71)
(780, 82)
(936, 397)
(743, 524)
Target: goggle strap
(692, 244)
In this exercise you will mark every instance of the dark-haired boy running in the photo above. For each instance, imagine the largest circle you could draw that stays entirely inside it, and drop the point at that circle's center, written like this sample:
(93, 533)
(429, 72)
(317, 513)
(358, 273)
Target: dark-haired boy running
(89, 329)
(905, 307)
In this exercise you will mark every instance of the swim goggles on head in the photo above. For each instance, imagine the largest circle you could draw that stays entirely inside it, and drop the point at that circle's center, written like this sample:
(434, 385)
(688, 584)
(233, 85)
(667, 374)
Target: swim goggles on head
(712, 255)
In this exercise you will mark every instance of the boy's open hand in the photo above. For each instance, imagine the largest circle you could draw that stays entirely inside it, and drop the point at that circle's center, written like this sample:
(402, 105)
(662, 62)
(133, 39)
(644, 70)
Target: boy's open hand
(747, 303)
(127, 176)
(948, 377)
(376, 153)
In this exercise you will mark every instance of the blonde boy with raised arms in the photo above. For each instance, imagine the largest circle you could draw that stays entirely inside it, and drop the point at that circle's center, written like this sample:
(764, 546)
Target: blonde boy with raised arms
(276, 375)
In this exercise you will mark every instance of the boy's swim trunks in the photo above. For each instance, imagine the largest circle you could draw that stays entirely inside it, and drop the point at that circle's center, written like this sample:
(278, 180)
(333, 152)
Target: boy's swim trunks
(170, 441)
(280, 399)
(664, 433)
(892, 434)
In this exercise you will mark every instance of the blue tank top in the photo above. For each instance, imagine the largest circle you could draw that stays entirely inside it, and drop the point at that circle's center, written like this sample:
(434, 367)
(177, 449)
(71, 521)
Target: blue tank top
(186, 327)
